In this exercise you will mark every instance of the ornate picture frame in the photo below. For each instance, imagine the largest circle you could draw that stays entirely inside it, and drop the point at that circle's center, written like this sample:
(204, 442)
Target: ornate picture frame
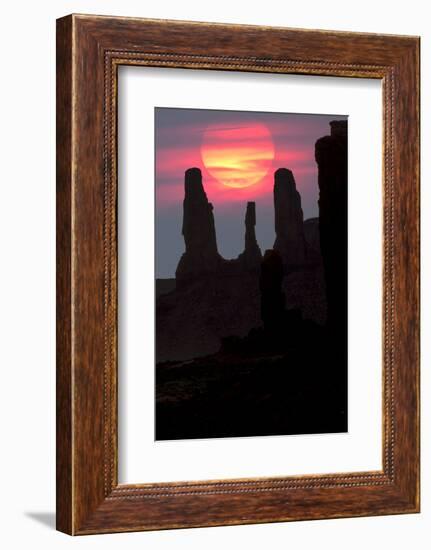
(89, 51)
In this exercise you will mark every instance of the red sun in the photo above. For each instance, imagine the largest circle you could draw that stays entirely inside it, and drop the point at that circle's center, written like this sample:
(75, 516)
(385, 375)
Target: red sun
(239, 155)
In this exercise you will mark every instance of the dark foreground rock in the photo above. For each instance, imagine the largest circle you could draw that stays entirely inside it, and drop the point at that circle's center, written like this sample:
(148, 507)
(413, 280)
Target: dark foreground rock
(255, 387)
(284, 377)
(331, 157)
(164, 286)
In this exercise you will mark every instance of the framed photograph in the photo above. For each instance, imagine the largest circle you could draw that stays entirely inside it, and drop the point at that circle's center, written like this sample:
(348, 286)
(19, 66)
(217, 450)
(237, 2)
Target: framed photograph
(237, 274)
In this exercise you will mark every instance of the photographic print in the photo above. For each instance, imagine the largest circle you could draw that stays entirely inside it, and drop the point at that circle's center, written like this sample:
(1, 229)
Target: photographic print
(251, 273)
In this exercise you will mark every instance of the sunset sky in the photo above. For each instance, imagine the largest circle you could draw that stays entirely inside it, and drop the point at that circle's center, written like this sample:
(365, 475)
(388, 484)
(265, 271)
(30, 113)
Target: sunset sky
(238, 152)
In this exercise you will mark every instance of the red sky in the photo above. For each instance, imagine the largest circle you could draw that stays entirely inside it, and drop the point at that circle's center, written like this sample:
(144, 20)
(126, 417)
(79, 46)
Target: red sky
(232, 148)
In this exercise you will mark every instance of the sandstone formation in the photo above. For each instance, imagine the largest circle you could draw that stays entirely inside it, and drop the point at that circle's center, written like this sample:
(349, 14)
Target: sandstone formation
(201, 255)
(331, 158)
(252, 256)
(289, 220)
(212, 298)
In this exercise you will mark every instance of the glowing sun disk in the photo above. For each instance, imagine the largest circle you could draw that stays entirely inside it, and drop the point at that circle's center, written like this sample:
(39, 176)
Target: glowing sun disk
(239, 156)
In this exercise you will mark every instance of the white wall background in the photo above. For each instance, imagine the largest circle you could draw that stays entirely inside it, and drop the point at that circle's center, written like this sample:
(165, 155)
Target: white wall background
(27, 285)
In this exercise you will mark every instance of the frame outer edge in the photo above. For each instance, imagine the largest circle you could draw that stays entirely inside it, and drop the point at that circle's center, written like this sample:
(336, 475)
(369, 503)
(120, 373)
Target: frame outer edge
(407, 267)
(64, 368)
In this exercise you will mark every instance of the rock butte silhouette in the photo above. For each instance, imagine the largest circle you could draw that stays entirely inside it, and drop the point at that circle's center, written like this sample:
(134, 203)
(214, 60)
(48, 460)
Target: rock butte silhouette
(228, 329)
(213, 297)
(201, 257)
(289, 220)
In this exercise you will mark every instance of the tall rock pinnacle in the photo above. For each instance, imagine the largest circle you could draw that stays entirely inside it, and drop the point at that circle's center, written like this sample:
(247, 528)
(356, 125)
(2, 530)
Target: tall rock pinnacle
(289, 220)
(201, 255)
(252, 256)
(331, 158)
